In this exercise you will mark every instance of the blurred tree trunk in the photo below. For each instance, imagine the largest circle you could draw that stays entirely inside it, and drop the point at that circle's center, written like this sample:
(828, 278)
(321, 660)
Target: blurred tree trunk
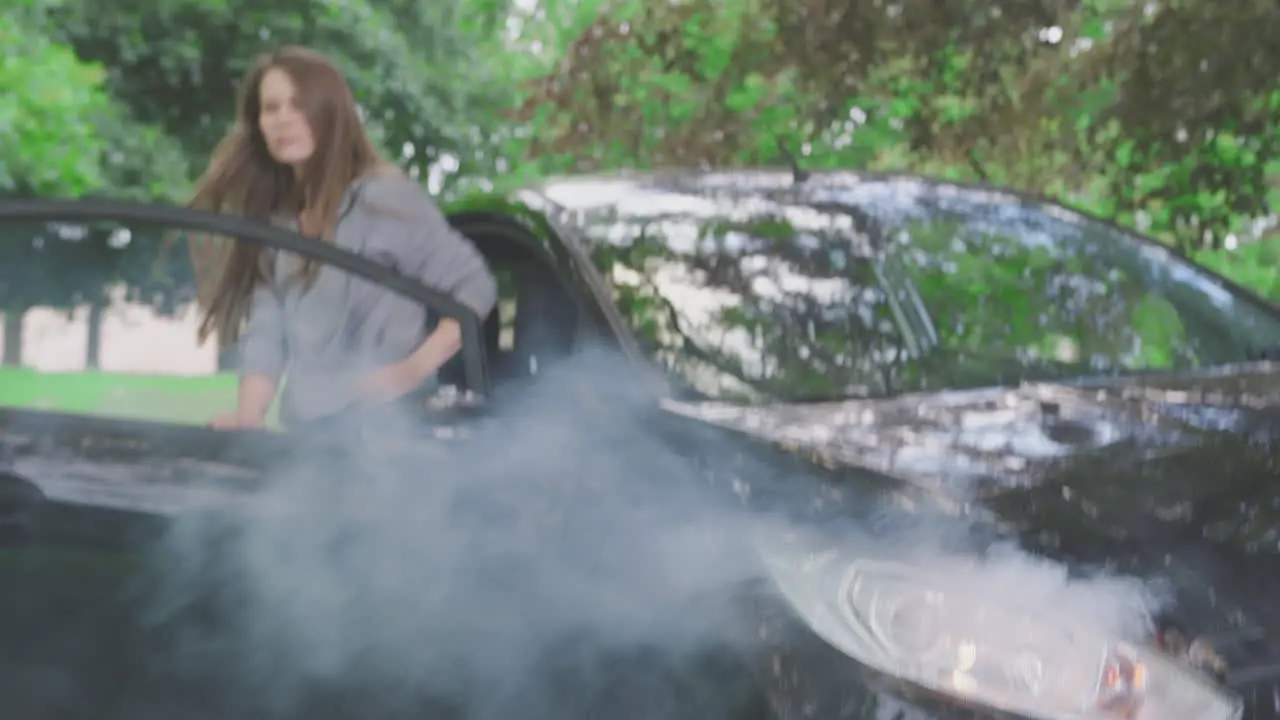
(93, 346)
(13, 337)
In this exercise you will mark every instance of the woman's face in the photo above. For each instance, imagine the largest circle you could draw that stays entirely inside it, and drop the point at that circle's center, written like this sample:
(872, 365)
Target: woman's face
(282, 121)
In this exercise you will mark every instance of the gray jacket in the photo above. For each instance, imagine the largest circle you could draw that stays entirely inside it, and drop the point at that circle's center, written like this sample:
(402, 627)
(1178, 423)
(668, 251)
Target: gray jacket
(322, 339)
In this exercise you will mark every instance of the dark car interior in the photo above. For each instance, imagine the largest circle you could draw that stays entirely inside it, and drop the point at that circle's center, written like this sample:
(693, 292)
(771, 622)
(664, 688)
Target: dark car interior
(537, 318)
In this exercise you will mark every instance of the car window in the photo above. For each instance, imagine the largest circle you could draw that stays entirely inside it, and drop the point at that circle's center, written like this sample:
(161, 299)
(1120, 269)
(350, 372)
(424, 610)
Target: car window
(750, 288)
(534, 325)
(102, 305)
(757, 306)
(1059, 294)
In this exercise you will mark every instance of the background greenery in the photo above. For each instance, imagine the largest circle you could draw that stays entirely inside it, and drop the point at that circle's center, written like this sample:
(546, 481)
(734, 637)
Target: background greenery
(1163, 115)
(1159, 115)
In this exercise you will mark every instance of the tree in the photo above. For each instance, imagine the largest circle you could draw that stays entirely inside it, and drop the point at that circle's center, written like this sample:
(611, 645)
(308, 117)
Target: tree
(72, 139)
(425, 89)
(422, 84)
(129, 100)
(1160, 114)
(51, 100)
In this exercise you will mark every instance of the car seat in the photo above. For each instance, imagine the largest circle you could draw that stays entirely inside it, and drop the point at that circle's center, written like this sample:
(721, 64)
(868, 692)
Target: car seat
(545, 323)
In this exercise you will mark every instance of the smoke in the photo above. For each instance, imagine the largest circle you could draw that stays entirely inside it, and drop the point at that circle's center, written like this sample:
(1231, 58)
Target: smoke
(556, 555)
(1109, 605)
(572, 555)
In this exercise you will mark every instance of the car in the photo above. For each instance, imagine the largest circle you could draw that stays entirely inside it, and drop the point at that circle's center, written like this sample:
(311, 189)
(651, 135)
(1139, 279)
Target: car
(972, 453)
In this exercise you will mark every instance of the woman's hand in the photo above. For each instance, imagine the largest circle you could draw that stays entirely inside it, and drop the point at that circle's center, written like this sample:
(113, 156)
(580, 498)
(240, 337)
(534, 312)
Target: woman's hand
(391, 381)
(256, 394)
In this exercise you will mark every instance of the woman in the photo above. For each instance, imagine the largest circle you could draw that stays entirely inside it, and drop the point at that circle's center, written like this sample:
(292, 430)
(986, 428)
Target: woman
(299, 157)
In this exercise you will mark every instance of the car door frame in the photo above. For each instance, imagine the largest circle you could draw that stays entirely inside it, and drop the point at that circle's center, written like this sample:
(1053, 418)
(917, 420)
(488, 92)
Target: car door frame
(54, 210)
(593, 281)
(540, 218)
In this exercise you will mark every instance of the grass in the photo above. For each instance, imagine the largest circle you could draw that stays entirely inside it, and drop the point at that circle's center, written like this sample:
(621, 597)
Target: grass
(164, 398)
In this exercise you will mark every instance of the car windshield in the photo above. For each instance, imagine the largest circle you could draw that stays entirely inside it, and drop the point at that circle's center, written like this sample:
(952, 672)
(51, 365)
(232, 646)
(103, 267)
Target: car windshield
(750, 290)
(1051, 293)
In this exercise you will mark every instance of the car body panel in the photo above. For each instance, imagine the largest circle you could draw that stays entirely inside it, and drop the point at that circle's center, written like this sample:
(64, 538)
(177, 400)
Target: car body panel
(1059, 454)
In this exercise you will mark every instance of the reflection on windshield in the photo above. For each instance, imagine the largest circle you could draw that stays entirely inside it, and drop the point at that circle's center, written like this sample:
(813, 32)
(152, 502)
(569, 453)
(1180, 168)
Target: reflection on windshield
(751, 290)
(1041, 290)
(751, 301)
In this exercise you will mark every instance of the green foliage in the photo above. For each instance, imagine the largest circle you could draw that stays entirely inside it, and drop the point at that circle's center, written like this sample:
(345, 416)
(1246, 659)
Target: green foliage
(1166, 118)
(1162, 116)
(177, 66)
(128, 99)
(72, 137)
(1039, 304)
(48, 105)
(68, 137)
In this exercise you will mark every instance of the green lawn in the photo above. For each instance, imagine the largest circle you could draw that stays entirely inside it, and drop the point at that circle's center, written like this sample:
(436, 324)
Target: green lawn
(166, 398)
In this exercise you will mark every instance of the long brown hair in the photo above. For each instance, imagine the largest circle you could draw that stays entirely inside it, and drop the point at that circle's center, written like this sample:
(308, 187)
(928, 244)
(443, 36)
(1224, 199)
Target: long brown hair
(243, 179)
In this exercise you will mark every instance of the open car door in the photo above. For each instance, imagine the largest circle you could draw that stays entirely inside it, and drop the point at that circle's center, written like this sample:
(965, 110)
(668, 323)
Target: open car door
(106, 391)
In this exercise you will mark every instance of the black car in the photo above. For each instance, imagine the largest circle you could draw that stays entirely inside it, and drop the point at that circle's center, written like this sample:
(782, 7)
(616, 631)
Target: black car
(855, 446)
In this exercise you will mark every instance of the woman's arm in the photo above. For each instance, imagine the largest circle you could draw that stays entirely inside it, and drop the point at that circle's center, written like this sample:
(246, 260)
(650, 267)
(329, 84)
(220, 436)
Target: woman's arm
(433, 252)
(442, 258)
(443, 343)
(262, 357)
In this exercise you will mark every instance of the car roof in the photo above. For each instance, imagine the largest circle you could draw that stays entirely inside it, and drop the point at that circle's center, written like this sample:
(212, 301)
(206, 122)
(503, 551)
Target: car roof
(883, 198)
(765, 180)
(878, 195)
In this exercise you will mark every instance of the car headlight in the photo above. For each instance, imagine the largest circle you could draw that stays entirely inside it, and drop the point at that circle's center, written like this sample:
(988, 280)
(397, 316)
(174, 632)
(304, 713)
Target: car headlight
(978, 652)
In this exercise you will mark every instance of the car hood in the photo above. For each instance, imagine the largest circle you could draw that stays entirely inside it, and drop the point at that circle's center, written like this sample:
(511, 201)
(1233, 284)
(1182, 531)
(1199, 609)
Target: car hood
(987, 442)
(1165, 476)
